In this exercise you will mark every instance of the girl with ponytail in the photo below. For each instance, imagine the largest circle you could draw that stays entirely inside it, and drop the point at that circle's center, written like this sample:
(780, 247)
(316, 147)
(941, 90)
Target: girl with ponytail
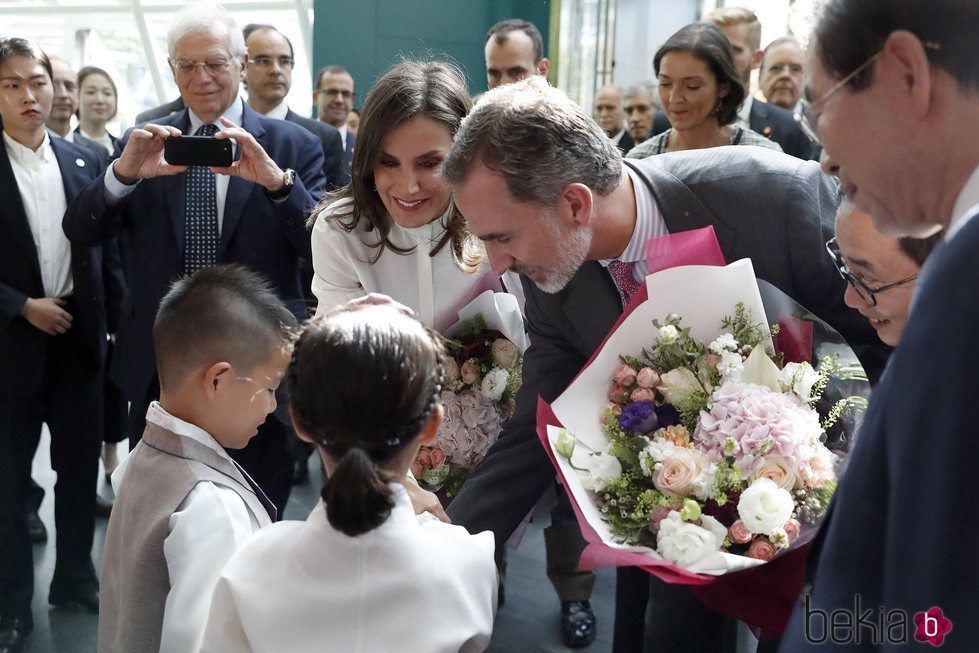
(363, 386)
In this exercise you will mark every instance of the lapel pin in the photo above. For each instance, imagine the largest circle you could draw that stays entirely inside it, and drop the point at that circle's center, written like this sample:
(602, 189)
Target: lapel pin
(767, 132)
(80, 163)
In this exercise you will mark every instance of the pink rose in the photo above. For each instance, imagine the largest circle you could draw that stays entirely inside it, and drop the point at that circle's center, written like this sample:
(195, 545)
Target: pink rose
(777, 469)
(624, 376)
(505, 353)
(617, 393)
(739, 533)
(422, 462)
(642, 394)
(470, 372)
(437, 456)
(761, 549)
(611, 414)
(451, 368)
(647, 378)
(818, 470)
(675, 476)
(792, 529)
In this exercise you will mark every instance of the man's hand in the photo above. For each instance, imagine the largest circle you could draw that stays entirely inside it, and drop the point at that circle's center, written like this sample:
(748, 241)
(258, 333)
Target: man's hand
(253, 164)
(423, 500)
(142, 158)
(47, 315)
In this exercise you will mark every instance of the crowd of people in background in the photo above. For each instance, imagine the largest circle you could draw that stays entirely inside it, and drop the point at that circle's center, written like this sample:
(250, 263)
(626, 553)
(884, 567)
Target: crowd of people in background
(174, 386)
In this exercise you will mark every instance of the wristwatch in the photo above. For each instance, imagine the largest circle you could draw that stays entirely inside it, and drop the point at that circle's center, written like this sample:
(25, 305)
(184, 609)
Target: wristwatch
(288, 181)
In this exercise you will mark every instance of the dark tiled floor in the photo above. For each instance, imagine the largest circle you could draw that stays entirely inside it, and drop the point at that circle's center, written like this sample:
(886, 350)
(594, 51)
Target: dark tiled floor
(528, 621)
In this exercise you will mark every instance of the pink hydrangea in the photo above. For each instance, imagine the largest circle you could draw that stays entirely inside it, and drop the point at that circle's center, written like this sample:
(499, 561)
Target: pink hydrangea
(470, 426)
(762, 422)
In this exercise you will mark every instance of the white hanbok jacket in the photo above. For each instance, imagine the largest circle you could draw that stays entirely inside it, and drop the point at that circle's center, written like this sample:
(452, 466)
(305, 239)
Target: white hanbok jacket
(408, 585)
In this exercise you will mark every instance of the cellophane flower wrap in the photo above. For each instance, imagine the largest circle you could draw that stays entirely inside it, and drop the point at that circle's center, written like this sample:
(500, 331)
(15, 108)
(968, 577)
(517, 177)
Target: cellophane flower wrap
(482, 375)
(693, 450)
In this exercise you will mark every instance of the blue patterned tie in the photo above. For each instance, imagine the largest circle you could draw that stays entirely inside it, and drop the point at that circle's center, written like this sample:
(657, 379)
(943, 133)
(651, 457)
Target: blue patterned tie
(201, 235)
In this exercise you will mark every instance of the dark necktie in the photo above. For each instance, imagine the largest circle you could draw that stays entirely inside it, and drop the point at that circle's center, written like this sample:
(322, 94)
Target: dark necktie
(624, 280)
(263, 499)
(201, 236)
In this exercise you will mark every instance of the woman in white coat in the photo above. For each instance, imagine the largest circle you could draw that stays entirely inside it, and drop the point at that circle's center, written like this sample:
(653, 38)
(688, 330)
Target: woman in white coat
(362, 573)
(394, 229)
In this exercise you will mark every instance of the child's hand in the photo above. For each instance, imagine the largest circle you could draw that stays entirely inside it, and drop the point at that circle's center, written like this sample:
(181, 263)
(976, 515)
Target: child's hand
(424, 501)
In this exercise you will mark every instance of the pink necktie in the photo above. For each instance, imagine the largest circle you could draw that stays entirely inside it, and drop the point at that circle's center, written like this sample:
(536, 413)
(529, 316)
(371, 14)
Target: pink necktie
(624, 280)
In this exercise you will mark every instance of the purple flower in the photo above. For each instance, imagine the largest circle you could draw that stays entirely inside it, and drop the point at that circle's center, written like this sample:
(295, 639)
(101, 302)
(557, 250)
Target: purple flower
(639, 417)
(667, 415)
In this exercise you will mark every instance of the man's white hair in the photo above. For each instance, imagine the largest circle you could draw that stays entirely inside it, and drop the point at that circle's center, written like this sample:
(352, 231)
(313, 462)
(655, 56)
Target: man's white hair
(204, 17)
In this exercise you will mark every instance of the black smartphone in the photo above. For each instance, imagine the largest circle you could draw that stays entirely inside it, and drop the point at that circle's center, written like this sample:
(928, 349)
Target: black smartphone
(197, 151)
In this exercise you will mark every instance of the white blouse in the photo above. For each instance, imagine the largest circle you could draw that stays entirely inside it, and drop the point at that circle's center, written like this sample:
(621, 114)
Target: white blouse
(432, 286)
(404, 586)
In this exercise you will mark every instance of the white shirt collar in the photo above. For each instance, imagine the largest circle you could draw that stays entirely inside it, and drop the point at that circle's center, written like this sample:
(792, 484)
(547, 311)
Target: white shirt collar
(23, 153)
(279, 111)
(233, 113)
(744, 113)
(343, 135)
(649, 224)
(966, 206)
(158, 415)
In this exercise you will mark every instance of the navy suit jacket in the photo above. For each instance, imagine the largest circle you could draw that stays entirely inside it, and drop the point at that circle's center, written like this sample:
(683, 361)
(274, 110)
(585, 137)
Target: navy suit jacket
(348, 152)
(780, 126)
(333, 151)
(901, 529)
(731, 188)
(22, 346)
(266, 236)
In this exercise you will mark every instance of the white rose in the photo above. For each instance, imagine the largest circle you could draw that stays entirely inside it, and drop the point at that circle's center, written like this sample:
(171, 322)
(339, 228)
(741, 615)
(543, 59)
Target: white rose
(765, 506)
(798, 378)
(505, 353)
(724, 342)
(603, 470)
(715, 527)
(683, 543)
(677, 385)
(730, 366)
(668, 334)
(494, 384)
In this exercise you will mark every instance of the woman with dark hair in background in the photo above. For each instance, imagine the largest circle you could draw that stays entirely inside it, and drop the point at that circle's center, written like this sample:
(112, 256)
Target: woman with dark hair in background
(98, 102)
(701, 92)
(362, 573)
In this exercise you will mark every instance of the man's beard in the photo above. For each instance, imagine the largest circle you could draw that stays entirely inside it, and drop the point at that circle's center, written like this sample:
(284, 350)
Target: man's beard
(572, 246)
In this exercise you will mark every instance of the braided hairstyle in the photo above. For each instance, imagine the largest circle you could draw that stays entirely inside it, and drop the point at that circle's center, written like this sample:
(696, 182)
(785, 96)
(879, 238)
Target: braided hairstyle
(363, 382)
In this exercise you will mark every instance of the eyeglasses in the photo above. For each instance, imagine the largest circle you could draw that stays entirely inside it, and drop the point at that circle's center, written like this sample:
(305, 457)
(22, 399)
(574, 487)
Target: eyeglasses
(806, 117)
(188, 68)
(263, 61)
(867, 293)
(334, 92)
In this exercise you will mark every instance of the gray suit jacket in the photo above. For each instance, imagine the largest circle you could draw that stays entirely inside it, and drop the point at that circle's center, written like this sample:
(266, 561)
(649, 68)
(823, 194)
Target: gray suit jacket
(764, 205)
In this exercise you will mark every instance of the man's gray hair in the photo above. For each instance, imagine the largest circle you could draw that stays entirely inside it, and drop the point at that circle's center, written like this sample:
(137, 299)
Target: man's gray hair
(202, 17)
(538, 140)
(645, 86)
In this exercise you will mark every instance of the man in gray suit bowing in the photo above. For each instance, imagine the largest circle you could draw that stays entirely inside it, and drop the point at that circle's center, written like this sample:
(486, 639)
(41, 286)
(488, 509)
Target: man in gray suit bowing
(551, 198)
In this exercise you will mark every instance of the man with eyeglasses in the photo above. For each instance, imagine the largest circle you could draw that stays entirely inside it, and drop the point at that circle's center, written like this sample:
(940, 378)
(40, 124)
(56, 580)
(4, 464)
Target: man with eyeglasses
(334, 96)
(893, 93)
(782, 66)
(178, 219)
(268, 78)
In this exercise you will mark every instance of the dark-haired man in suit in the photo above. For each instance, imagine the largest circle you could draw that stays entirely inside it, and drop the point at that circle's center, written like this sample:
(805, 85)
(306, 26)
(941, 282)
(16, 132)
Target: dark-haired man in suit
(178, 219)
(893, 93)
(334, 95)
(268, 78)
(52, 343)
(575, 228)
(743, 29)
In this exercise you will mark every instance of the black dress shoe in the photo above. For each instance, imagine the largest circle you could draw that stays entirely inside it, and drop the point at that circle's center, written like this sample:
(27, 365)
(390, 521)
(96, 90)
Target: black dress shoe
(85, 596)
(103, 506)
(36, 528)
(13, 634)
(300, 472)
(577, 624)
